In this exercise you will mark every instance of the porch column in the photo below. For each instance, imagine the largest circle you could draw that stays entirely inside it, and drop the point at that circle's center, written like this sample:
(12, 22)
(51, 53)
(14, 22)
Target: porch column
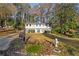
(35, 30)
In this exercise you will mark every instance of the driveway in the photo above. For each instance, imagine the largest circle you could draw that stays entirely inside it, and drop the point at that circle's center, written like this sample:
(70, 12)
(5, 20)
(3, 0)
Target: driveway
(74, 42)
(6, 40)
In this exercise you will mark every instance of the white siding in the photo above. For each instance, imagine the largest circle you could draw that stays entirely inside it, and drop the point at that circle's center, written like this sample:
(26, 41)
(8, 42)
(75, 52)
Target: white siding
(42, 28)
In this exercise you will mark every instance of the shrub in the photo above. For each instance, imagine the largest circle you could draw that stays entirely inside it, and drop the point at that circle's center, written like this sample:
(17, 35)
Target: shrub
(32, 48)
(56, 29)
(71, 50)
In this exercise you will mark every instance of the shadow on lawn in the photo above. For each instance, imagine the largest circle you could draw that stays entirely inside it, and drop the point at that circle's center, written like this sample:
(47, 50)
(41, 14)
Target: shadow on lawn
(74, 43)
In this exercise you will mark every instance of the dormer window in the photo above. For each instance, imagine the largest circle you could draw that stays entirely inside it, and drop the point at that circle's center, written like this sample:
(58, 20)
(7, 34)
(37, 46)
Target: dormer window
(30, 24)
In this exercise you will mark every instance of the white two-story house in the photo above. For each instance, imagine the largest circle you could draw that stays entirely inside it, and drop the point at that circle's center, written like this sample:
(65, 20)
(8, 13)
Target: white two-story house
(38, 26)
(40, 23)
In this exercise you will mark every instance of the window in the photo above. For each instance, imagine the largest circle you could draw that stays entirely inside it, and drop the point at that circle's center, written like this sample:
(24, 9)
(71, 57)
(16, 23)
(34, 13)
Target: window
(36, 24)
(39, 24)
(30, 24)
(27, 25)
(38, 30)
(46, 24)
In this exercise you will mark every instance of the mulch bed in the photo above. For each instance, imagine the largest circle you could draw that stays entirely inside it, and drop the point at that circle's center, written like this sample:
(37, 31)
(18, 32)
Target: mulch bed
(4, 32)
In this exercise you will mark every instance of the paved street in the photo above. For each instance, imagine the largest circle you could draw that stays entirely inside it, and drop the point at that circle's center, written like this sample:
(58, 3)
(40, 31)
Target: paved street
(6, 40)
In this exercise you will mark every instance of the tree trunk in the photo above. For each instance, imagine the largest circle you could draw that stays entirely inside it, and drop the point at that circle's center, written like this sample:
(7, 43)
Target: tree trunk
(5, 23)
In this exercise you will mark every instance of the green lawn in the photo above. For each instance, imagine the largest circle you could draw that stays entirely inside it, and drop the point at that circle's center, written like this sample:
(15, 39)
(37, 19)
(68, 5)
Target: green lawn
(33, 48)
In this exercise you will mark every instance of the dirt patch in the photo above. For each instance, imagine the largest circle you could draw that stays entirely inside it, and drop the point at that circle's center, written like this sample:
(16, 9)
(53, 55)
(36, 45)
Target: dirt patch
(38, 37)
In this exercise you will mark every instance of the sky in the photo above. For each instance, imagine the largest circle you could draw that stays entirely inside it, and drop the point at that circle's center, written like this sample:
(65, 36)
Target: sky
(33, 4)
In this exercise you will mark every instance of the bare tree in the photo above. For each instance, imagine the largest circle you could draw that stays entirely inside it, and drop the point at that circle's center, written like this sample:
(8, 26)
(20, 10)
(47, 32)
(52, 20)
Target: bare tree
(6, 11)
